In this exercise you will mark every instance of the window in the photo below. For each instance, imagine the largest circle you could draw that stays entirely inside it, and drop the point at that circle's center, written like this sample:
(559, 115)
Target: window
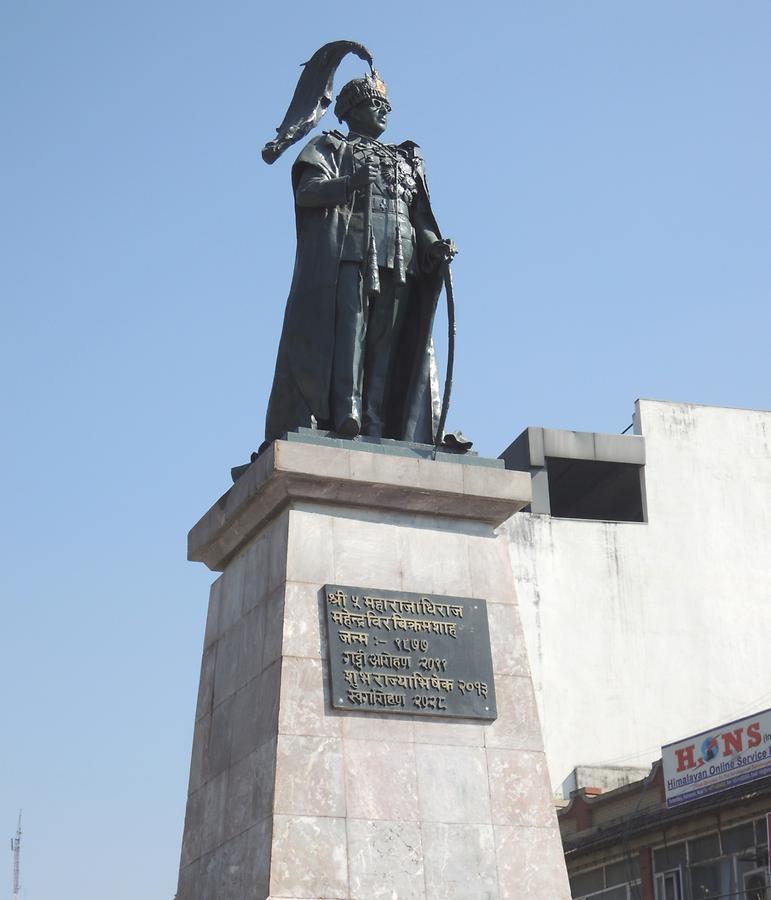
(742, 837)
(622, 872)
(620, 892)
(614, 893)
(711, 879)
(756, 885)
(669, 886)
(587, 883)
(606, 884)
(702, 848)
(666, 858)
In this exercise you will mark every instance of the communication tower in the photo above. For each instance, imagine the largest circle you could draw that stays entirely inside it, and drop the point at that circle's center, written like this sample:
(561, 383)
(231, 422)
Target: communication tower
(16, 849)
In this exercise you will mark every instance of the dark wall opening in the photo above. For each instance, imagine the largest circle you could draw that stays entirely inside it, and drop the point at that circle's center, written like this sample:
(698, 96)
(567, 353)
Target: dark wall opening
(588, 489)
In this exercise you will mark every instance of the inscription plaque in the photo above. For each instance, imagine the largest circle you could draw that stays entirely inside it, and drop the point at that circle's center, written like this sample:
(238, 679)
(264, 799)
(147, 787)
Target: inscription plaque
(397, 652)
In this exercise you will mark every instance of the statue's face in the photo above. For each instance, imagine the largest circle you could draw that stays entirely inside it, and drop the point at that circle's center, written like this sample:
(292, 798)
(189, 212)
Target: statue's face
(370, 117)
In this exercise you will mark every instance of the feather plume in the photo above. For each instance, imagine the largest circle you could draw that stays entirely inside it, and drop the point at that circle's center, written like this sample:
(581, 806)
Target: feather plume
(312, 95)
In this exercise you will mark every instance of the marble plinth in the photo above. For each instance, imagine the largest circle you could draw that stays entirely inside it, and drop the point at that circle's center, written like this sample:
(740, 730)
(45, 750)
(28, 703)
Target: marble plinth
(289, 798)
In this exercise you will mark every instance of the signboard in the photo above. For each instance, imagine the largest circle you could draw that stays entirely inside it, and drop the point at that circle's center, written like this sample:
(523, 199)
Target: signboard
(394, 652)
(717, 760)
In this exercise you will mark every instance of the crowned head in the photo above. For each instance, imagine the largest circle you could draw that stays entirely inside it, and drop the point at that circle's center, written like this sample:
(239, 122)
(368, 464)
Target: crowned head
(363, 105)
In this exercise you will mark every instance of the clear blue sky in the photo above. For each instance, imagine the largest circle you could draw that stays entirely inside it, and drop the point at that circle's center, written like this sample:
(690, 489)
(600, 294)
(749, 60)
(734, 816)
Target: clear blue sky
(604, 168)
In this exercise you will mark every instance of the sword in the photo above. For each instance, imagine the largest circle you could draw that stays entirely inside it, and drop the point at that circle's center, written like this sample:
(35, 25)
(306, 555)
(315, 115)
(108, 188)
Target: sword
(450, 356)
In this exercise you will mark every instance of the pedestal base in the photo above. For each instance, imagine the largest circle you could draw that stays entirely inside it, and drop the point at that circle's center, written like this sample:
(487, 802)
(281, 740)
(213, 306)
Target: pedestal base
(290, 798)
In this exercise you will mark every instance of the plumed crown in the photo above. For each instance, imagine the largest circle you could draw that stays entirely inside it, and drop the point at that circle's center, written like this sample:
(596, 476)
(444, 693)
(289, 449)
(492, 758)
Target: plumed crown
(359, 90)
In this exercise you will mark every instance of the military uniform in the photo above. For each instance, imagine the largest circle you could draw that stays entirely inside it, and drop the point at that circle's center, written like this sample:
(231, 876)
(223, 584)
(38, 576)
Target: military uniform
(368, 329)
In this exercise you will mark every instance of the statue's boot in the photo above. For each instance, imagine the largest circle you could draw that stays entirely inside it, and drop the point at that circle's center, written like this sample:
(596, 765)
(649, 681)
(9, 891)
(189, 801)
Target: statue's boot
(349, 427)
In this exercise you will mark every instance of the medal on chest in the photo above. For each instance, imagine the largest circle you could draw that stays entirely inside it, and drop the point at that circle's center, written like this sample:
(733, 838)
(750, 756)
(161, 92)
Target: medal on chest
(397, 178)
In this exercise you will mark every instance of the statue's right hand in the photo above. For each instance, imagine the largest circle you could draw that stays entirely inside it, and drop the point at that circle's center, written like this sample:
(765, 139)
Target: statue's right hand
(364, 176)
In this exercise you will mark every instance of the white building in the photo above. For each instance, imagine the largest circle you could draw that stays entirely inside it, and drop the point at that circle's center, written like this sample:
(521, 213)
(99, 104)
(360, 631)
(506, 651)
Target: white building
(644, 579)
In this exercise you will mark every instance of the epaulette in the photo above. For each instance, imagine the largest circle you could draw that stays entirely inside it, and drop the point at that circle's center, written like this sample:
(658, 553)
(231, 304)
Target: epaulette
(411, 148)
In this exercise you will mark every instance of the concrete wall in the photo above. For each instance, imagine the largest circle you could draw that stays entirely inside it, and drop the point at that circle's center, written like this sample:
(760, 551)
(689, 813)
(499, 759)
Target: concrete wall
(643, 633)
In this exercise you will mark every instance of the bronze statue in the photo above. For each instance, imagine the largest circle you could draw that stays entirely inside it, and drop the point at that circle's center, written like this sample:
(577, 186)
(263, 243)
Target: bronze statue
(356, 354)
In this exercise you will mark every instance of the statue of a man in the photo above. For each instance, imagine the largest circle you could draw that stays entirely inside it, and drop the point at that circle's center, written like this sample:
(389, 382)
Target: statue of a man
(356, 355)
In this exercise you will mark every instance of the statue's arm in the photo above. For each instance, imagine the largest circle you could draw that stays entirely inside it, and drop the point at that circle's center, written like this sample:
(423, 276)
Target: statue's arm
(425, 231)
(432, 248)
(315, 188)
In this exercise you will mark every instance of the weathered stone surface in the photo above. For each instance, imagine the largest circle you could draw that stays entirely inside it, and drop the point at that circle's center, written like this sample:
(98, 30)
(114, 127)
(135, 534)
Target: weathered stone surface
(258, 582)
(226, 672)
(299, 457)
(273, 606)
(206, 683)
(517, 726)
(376, 468)
(191, 842)
(310, 551)
(452, 784)
(491, 577)
(232, 595)
(256, 876)
(366, 553)
(479, 481)
(309, 857)
(385, 860)
(213, 825)
(252, 627)
(309, 776)
(434, 562)
(303, 635)
(507, 640)
(233, 871)
(460, 862)
(304, 708)
(189, 883)
(224, 870)
(530, 863)
(446, 477)
(199, 758)
(278, 550)
(254, 713)
(520, 793)
(212, 617)
(378, 728)
(465, 734)
(390, 447)
(381, 781)
(250, 790)
(220, 739)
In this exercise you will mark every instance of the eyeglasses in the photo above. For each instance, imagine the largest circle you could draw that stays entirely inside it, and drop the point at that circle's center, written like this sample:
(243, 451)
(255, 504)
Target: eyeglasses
(379, 103)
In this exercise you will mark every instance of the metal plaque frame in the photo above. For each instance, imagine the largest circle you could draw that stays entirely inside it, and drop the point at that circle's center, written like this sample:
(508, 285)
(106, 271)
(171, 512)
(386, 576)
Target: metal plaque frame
(408, 653)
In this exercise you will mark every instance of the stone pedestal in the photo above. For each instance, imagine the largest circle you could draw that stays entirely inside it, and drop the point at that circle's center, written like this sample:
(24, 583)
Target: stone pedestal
(290, 798)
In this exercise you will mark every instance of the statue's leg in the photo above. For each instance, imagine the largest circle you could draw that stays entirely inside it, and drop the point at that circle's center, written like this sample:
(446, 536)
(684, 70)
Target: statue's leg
(348, 363)
(386, 314)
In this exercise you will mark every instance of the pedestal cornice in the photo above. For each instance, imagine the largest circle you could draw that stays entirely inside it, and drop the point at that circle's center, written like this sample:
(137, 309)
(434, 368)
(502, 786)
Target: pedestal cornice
(287, 472)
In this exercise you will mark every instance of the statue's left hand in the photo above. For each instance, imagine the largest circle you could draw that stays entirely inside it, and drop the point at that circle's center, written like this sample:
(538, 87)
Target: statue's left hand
(442, 251)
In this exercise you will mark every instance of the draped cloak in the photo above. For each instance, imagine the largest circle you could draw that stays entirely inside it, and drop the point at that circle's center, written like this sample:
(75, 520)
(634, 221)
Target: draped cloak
(301, 392)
